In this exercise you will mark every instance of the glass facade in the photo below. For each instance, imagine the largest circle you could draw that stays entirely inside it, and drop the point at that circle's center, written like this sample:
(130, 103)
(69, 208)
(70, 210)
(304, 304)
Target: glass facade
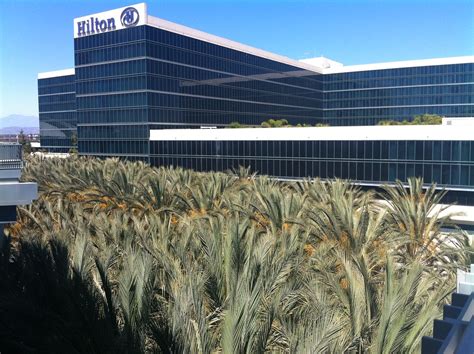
(144, 77)
(136, 79)
(112, 102)
(57, 112)
(366, 97)
(448, 163)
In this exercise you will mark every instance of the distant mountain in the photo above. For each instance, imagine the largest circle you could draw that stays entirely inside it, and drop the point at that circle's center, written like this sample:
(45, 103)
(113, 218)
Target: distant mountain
(13, 123)
(17, 130)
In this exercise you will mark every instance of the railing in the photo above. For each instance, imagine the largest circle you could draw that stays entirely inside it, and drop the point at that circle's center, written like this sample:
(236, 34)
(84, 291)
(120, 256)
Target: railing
(10, 156)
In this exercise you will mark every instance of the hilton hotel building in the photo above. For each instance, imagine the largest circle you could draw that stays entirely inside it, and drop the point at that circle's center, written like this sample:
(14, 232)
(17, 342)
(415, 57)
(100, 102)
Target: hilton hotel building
(142, 87)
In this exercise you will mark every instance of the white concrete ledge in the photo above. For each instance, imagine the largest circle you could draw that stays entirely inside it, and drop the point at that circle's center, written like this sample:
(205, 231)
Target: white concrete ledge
(400, 64)
(57, 73)
(16, 193)
(351, 133)
(10, 174)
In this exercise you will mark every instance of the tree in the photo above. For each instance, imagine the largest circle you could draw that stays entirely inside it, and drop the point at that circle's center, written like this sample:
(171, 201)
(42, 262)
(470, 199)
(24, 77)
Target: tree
(118, 256)
(74, 139)
(73, 149)
(427, 119)
(388, 122)
(416, 216)
(421, 119)
(25, 143)
(275, 123)
(236, 125)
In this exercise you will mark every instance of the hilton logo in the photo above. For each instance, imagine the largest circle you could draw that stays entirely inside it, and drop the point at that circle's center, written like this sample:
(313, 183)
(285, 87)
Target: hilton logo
(129, 17)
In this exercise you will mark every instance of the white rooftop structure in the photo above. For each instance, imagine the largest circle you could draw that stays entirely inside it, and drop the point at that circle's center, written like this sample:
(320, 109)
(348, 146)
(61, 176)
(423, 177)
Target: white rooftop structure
(56, 73)
(462, 214)
(332, 67)
(322, 62)
(352, 133)
(464, 121)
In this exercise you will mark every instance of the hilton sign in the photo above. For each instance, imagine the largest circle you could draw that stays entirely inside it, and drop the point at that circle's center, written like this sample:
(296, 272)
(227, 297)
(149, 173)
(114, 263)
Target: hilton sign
(85, 28)
(125, 17)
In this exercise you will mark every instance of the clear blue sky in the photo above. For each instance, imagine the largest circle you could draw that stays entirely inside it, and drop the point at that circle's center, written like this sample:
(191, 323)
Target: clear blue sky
(37, 35)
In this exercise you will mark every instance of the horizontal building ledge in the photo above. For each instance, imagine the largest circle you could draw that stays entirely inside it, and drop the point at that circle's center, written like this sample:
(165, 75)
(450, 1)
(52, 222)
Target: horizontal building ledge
(16, 193)
(345, 133)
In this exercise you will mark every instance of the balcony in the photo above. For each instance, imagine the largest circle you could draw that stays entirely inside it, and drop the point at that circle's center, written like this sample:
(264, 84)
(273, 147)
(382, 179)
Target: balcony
(454, 333)
(10, 156)
(10, 161)
(12, 191)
